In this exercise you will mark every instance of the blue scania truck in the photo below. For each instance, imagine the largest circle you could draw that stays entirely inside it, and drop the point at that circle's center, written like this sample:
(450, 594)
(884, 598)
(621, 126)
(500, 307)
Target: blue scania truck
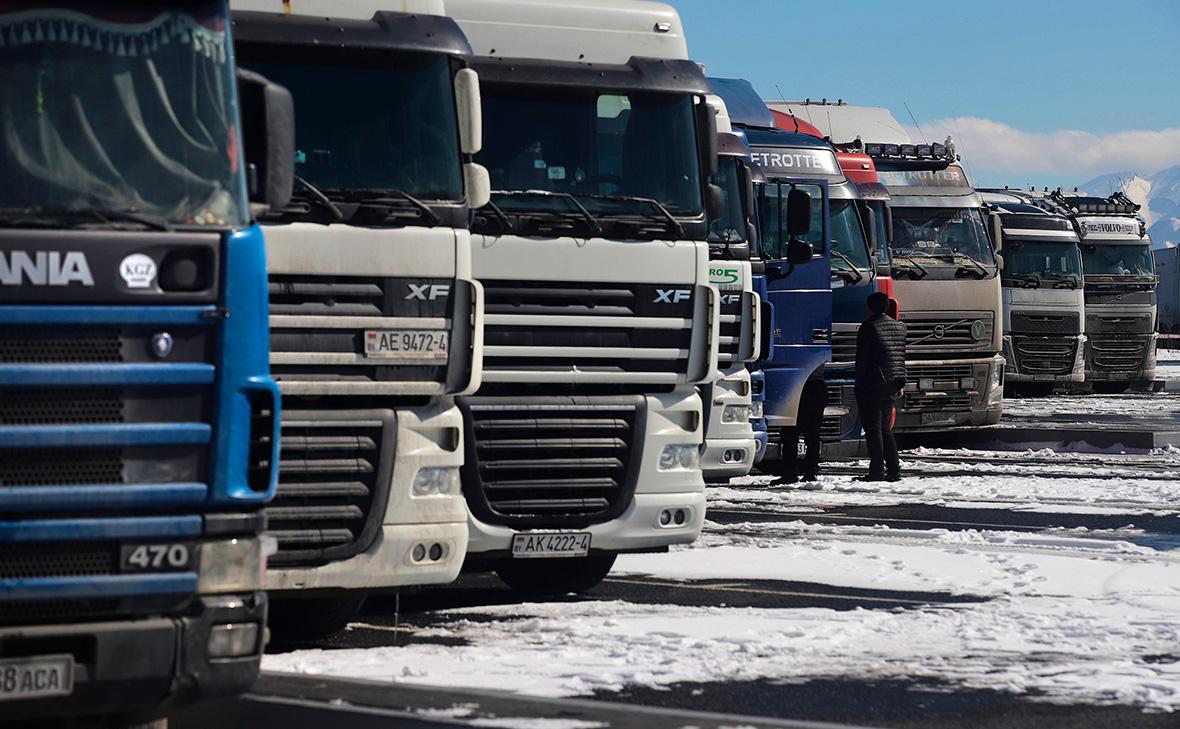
(794, 257)
(138, 423)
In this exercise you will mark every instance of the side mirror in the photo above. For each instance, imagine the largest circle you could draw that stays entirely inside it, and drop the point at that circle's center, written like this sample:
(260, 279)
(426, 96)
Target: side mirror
(997, 232)
(999, 262)
(888, 225)
(478, 185)
(708, 144)
(798, 213)
(268, 135)
(799, 252)
(714, 202)
(746, 183)
(870, 221)
(470, 109)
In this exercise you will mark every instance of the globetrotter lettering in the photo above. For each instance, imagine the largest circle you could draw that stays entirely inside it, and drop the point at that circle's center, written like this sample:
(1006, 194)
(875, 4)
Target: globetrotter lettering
(819, 161)
(44, 268)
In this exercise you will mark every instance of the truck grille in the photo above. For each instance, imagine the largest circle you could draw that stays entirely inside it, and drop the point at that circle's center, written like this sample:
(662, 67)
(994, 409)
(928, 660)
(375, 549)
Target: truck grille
(334, 472)
(944, 373)
(734, 343)
(59, 346)
(54, 467)
(955, 402)
(576, 332)
(1117, 354)
(939, 335)
(73, 559)
(1053, 324)
(843, 346)
(318, 326)
(551, 462)
(1042, 355)
(1121, 324)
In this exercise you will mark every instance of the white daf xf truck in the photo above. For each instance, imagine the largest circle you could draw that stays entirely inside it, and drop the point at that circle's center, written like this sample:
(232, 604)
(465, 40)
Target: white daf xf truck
(376, 319)
(584, 439)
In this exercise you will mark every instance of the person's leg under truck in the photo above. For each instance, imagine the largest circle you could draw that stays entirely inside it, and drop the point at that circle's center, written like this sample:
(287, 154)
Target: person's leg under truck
(875, 421)
(889, 445)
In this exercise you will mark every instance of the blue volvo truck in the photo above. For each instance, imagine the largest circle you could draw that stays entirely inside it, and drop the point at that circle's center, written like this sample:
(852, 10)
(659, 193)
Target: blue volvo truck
(138, 424)
(795, 281)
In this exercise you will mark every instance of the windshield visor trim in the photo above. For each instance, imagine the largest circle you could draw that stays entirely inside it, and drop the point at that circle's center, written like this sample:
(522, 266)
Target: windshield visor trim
(640, 74)
(388, 31)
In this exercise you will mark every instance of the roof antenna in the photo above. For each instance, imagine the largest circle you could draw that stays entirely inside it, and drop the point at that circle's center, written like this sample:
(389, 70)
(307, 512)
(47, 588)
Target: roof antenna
(830, 132)
(781, 95)
(915, 121)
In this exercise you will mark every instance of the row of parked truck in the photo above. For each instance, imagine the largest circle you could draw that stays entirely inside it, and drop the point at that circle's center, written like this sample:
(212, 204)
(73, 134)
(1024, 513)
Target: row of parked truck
(306, 300)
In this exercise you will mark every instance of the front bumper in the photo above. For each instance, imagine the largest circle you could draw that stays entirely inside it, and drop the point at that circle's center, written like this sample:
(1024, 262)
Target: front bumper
(729, 448)
(951, 393)
(139, 666)
(637, 530)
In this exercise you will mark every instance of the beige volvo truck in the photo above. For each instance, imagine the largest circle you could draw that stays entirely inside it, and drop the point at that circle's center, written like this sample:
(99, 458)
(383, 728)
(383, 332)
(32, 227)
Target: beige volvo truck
(584, 439)
(376, 319)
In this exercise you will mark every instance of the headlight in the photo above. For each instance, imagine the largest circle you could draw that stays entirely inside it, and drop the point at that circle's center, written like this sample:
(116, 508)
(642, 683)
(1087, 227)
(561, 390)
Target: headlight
(233, 565)
(436, 482)
(679, 458)
(233, 640)
(735, 414)
(758, 409)
(997, 376)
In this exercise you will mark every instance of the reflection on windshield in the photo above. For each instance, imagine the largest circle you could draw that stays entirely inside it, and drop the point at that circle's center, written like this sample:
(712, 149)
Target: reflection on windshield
(847, 237)
(731, 226)
(1041, 259)
(773, 218)
(1118, 260)
(589, 143)
(941, 235)
(127, 108)
(371, 122)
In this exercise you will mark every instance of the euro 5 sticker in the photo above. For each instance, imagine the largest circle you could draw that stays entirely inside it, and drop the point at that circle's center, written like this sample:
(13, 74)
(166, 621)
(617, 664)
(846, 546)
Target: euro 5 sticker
(722, 276)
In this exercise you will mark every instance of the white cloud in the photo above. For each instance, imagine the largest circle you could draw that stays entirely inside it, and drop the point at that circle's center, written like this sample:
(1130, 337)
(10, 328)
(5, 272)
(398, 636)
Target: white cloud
(994, 146)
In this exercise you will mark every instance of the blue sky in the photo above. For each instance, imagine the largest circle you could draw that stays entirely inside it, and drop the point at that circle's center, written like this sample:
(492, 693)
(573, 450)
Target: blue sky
(1039, 67)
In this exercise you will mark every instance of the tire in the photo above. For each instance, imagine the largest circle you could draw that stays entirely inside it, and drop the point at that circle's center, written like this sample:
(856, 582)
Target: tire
(554, 577)
(301, 620)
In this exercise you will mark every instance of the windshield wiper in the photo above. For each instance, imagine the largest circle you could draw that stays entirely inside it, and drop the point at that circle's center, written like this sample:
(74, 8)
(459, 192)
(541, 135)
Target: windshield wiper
(977, 269)
(103, 215)
(579, 209)
(917, 267)
(317, 196)
(661, 211)
(1027, 278)
(852, 269)
(371, 198)
(499, 215)
(1064, 281)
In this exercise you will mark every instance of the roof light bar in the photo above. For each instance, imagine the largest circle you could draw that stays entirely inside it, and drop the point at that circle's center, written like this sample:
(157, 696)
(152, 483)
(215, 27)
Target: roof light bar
(912, 151)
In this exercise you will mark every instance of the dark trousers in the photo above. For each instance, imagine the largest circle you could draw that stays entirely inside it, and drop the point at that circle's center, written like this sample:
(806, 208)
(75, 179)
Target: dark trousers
(875, 414)
(808, 426)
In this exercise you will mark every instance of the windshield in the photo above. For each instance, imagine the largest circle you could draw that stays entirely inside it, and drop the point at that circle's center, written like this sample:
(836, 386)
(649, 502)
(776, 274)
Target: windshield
(1041, 260)
(585, 142)
(731, 226)
(941, 235)
(773, 219)
(1118, 260)
(123, 108)
(370, 122)
(848, 239)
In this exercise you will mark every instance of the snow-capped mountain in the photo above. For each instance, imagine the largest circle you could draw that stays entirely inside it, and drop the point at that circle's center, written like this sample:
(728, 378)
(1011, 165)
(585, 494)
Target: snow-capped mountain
(1159, 194)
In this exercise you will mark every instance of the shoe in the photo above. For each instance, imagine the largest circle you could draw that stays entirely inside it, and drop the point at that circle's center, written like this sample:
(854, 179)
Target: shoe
(870, 478)
(893, 477)
(811, 477)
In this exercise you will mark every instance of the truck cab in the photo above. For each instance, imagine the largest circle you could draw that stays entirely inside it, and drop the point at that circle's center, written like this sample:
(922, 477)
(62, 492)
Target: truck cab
(584, 438)
(1120, 290)
(797, 290)
(138, 422)
(1044, 306)
(376, 318)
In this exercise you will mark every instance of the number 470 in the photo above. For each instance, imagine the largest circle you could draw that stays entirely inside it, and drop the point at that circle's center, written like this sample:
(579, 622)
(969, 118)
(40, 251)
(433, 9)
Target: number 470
(155, 556)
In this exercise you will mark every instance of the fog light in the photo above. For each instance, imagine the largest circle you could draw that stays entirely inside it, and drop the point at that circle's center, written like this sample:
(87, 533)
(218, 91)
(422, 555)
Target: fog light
(233, 640)
(735, 414)
(436, 482)
(680, 517)
(436, 552)
(232, 565)
(679, 457)
(419, 552)
(665, 517)
(758, 410)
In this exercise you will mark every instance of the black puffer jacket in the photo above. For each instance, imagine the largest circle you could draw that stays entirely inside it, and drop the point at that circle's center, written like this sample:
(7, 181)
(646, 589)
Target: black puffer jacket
(880, 357)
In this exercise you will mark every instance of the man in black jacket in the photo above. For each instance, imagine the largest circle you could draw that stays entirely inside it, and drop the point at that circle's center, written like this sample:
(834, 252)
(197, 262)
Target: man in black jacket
(880, 379)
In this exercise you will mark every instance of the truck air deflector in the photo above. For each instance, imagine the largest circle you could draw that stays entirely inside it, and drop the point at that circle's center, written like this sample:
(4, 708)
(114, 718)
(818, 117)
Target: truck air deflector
(387, 31)
(73, 588)
(152, 527)
(98, 497)
(639, 74)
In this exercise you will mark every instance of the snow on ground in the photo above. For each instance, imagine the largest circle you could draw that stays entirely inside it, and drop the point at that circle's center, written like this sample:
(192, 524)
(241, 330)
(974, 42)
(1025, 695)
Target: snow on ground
(1167, 365)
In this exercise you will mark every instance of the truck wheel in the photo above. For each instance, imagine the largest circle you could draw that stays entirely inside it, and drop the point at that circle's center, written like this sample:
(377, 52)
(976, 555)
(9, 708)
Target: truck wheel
(297, 621)
(553, 577)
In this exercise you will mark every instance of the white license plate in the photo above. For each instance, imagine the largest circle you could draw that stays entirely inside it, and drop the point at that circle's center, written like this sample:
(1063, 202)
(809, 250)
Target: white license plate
(550, 544)
(35, 678)
(1044, 378)
(932, 418)
(419, 344)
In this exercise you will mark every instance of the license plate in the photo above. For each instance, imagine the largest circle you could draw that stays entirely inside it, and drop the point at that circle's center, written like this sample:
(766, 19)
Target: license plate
(1043, 378)
(551, 544)
(34, 678)
(420, 344)
(932, 418)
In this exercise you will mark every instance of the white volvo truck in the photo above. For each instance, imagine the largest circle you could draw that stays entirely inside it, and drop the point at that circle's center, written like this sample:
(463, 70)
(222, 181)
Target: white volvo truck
(376, 320)
(730, 445)
(1044, 306)
(584, 440)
